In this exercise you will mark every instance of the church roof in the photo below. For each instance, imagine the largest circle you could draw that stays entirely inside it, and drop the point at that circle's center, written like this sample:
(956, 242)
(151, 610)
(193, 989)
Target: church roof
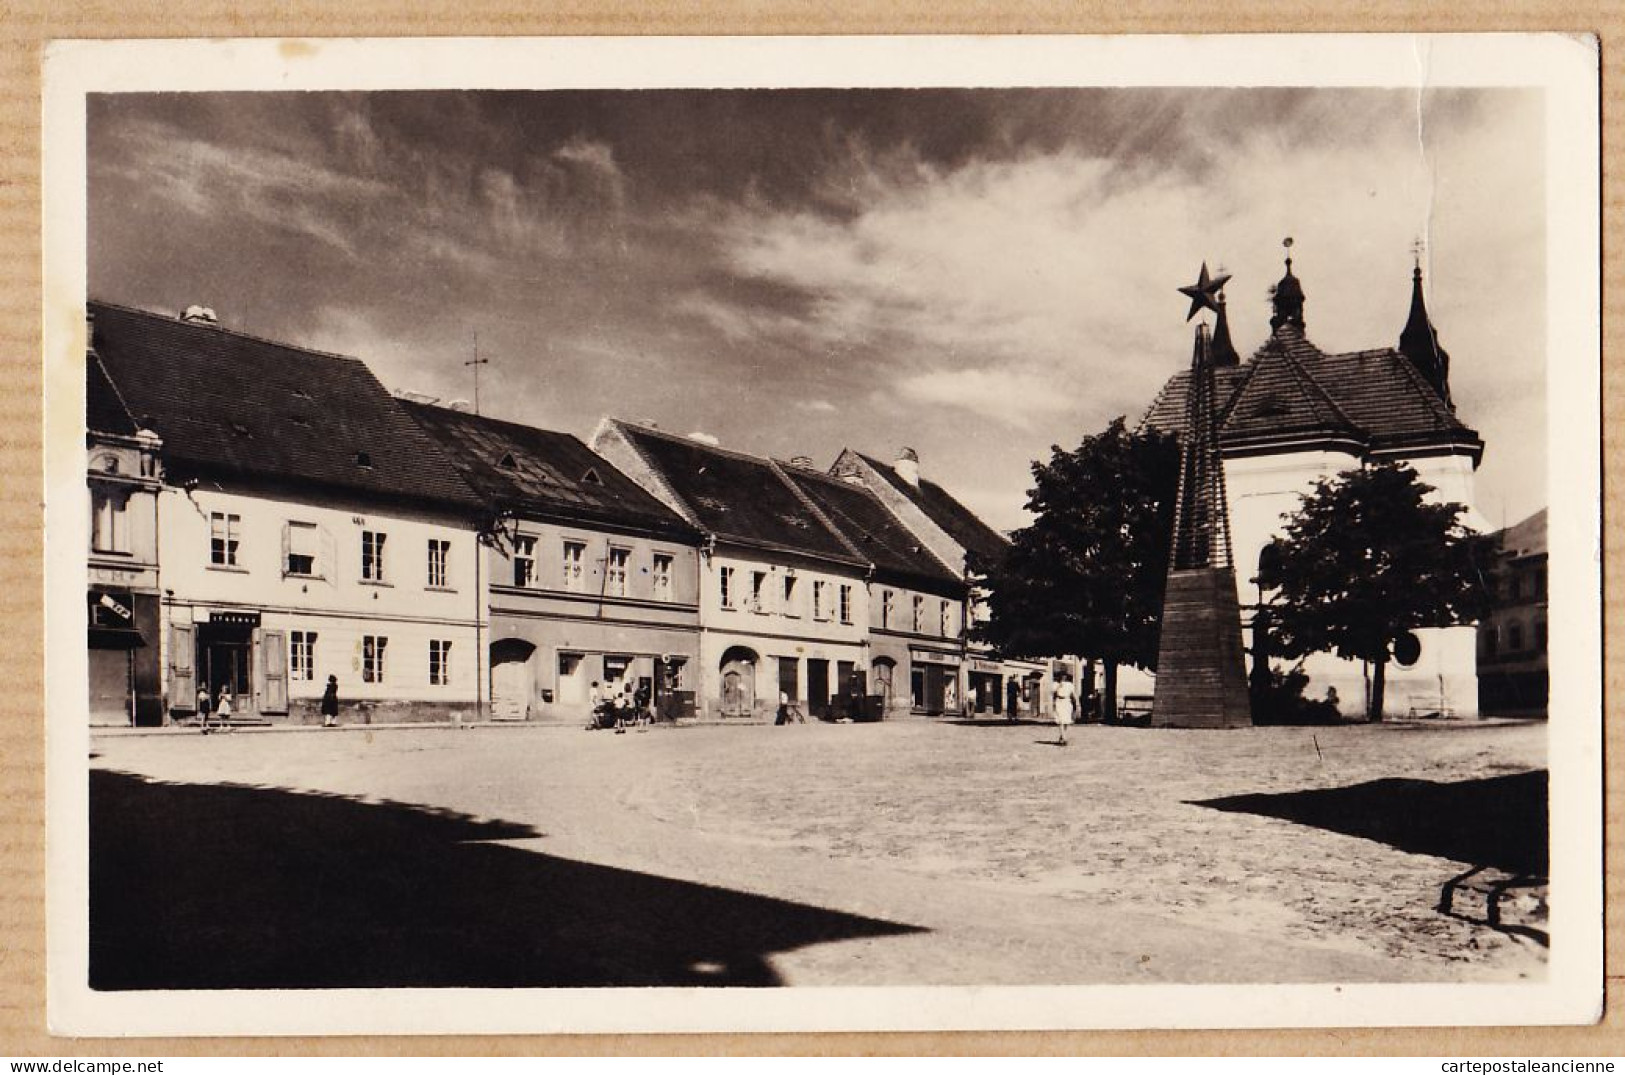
(1291, 391)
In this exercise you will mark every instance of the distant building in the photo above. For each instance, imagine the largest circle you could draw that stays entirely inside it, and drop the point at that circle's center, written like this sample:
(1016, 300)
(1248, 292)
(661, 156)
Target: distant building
(1512, 677)
(1293, 414)
(973, 680)
(306, 526)
(917, 605)
(123, 479)
(783, 595)
(591, 579)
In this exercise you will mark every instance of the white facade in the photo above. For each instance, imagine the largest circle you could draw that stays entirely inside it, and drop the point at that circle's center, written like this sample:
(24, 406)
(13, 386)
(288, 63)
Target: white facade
(1264, 490)
(765, 618)
(272, 594)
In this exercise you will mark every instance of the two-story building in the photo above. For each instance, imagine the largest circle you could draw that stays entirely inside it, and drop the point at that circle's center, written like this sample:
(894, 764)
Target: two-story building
(123, 480)
(783, 601)
(976, 681)
(591, 579)
(1512, 669)
(307, 527)
(917, 604)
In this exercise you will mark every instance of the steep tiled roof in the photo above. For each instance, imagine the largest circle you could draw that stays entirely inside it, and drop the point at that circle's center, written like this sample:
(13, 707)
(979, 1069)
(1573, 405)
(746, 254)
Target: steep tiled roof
(958, 521)
(534, 471)
(1527, 538)
(104, 410)
(872, 529)
(1290, 387)
(737, 497)
(235, 407)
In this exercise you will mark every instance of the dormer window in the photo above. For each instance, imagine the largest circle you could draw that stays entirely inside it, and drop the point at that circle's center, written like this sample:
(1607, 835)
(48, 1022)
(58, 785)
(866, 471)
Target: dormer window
(240, 429)
(591, 477)
(508, 461)
(363, 460)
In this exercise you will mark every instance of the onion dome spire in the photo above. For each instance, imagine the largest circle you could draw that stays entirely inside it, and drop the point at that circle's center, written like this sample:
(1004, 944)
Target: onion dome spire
(1287, 296)
(1419, 342)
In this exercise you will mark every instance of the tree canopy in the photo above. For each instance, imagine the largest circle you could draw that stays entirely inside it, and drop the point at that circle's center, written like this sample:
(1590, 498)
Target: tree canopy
(1365, 561)
(1087, 576)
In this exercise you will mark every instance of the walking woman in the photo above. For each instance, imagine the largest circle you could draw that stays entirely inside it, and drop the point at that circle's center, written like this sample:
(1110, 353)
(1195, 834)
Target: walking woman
(330, 703)
(1066, 698)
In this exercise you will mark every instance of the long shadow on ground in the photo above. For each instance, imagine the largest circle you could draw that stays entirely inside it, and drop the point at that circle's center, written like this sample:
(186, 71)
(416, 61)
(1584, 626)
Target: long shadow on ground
(1496, 821)
(204, 886)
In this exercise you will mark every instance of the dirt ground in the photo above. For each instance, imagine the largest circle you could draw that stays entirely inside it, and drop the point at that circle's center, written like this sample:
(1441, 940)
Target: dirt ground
(906, 852)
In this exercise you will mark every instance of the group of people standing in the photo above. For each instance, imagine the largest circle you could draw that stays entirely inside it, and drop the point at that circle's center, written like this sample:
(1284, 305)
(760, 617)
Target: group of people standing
(620, 705)
(222, 705)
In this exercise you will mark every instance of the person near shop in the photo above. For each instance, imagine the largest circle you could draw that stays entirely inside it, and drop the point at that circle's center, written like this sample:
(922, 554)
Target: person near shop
(330, 703)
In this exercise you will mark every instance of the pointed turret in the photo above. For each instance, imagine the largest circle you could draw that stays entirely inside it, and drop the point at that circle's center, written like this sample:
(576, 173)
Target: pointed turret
(1287, 298)
(1419, 342)
(1223, 351)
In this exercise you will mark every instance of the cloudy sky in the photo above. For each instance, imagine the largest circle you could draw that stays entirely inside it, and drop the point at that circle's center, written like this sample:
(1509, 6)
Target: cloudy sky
(979, 274)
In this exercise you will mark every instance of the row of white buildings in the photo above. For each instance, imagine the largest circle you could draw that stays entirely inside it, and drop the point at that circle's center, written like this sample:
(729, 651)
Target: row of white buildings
(266, 516)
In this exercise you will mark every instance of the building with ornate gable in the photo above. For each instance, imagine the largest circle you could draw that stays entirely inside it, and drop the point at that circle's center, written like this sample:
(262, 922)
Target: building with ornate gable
(1292, 414)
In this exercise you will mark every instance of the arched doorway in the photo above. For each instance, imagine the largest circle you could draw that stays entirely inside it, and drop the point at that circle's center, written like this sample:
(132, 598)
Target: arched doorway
(738, 670)
(884, 670)
(513, 679)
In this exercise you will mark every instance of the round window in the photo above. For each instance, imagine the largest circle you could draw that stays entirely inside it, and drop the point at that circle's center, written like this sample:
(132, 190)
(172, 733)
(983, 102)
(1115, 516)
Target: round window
(1407, 649)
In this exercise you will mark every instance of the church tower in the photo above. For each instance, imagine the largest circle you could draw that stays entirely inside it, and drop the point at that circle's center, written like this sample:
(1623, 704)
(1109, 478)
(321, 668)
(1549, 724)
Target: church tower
(1419, 342)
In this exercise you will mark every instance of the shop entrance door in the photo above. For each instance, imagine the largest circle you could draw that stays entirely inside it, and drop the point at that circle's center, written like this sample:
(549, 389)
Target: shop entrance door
(818, 687)
(224, 652)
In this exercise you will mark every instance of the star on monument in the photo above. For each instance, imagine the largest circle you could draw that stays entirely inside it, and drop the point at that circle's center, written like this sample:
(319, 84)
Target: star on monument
(1204, 293)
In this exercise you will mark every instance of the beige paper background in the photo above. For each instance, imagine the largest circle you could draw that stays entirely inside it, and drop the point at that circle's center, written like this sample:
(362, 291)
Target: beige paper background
(23, 30)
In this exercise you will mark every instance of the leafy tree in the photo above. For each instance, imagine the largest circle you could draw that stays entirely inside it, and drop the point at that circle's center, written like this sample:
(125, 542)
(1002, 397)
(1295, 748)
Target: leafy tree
(1364, 562)
(1087, 576)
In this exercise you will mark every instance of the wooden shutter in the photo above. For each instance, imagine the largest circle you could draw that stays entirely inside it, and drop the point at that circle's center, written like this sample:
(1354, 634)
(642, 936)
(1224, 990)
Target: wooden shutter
(273, 665)
(182, 676)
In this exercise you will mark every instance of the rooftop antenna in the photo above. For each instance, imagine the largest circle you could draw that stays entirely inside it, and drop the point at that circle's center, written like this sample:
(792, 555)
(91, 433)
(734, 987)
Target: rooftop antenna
(477, 362)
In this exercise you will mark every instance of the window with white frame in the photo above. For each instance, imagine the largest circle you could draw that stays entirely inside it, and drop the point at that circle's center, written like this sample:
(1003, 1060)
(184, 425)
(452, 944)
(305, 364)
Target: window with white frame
(439, 662)
(846, 604)
(373, 650)
(615, 582)
(758, 591)
(725, 581)
(820, 599)
(109, 526)
(662, 576)
(575, 557)
(439, 562)
(302, 655)
(888, 605)
(372, 555)
(944, 619)
(790, 607)
(301, 540)
(919, 613)
(225, 529)
(524, 561)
